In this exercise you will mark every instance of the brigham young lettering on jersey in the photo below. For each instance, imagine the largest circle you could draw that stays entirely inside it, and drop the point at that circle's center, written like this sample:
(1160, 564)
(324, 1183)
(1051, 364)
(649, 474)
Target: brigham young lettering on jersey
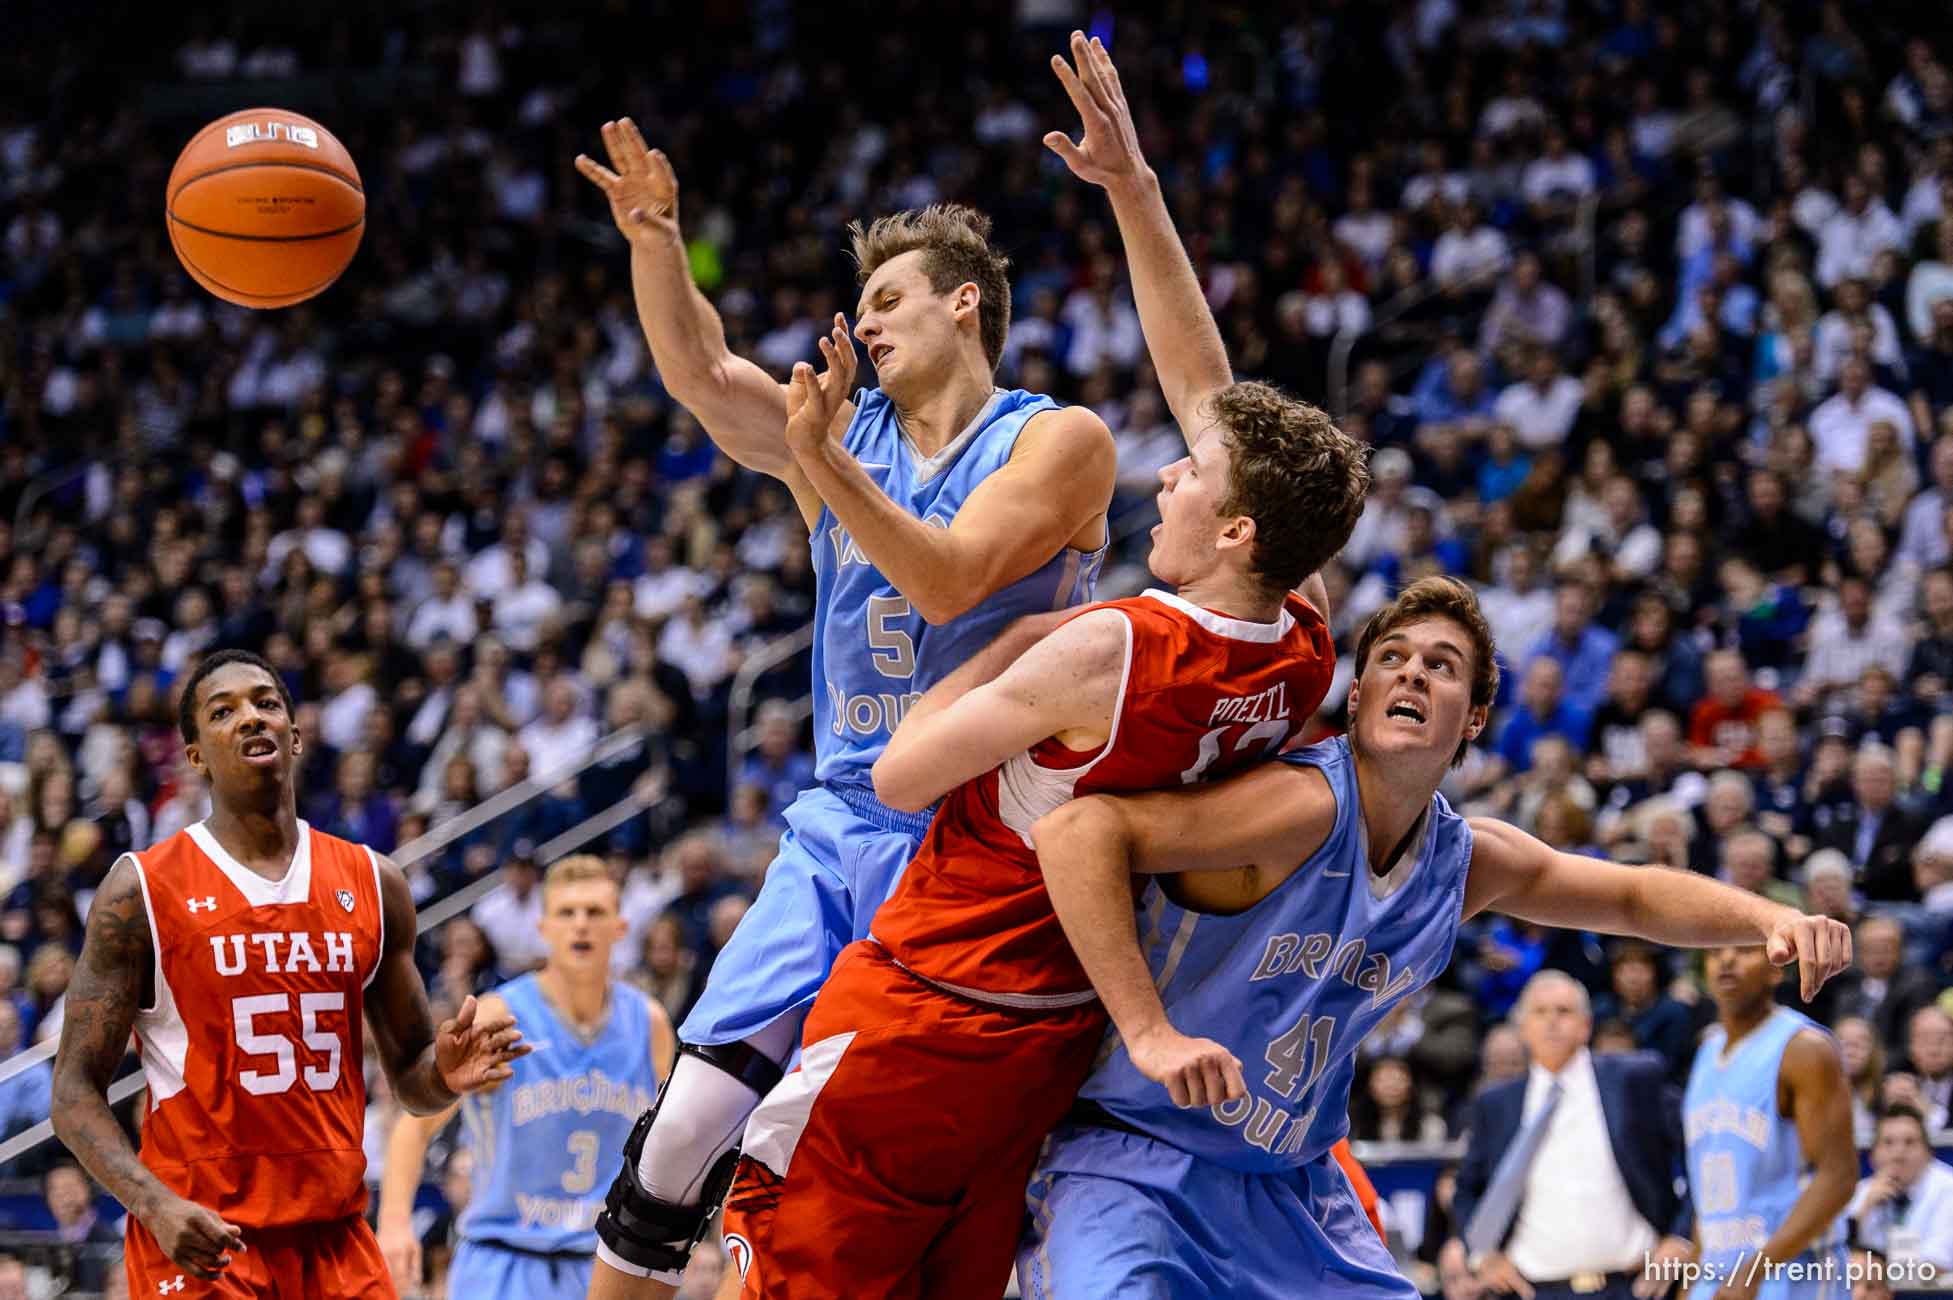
(864, 696)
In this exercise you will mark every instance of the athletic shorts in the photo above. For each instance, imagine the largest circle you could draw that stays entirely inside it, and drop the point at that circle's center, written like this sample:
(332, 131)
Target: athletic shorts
(892, 1163)
(840, 859)
(309, 1261)
(1113, 1214)
(482, 1270)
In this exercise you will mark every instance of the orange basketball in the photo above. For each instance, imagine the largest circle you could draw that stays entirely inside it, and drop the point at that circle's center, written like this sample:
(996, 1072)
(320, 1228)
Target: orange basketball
(265, 208)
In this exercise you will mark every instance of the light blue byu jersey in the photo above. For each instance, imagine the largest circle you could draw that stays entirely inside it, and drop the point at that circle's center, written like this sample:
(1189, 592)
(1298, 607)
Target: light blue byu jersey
(1746, 1164)
(1294, 983)
(546, 1141)
(873, 654)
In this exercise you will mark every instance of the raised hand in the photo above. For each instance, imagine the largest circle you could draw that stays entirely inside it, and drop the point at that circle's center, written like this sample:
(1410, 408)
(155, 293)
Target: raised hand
(640, 184)
(1109, 153)
(470, 1055)
(815, 403)
(1195, 1071)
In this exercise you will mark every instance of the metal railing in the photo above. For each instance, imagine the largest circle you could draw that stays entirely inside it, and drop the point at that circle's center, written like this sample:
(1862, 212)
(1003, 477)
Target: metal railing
(435, 914)
(1336, 382)
(742, 734)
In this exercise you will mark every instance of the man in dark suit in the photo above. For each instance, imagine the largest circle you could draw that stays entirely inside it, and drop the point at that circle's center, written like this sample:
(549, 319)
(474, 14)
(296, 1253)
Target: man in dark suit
(1568, 1187)
(1874, 832)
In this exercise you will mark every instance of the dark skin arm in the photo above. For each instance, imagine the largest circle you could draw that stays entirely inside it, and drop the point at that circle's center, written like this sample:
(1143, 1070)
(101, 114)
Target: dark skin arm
(113, 979)
(1811, 1090)
(428, 1068)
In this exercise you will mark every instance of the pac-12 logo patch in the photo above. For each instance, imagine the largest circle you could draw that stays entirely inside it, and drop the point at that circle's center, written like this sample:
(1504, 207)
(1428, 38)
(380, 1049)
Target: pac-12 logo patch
(345, 897)
(740, 1252)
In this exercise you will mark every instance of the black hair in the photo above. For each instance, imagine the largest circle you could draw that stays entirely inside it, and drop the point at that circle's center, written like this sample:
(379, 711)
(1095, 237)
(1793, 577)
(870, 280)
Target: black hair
(186, 707)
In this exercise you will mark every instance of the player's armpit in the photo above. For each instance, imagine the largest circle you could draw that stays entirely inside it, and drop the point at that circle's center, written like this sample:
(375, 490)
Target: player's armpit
(111, 983)
(1052, 493)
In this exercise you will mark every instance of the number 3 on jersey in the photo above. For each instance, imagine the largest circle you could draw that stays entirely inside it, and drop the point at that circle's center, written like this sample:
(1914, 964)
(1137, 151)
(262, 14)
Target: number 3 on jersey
(244, 1013)
(1272, 733)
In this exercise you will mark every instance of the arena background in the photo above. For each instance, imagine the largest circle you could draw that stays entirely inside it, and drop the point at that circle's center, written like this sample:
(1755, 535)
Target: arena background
(1646, 307)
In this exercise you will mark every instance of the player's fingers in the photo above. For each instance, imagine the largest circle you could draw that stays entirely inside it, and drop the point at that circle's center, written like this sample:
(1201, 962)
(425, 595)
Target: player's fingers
(465, 1015)
(1778, 949)
(1237, 1086)
(595, 172)
(1060, 143)
(1081, 98)
(1214, 1071)
(614, 147)
(1176, 1088)
(1108, 70)
(634, 141)
(661, 169)
(1089, 74)
(1807, 968)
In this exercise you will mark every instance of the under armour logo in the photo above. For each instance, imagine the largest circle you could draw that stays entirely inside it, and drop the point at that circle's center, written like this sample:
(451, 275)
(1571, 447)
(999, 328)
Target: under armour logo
(345, 897)
(164, 1288)
(206, 904)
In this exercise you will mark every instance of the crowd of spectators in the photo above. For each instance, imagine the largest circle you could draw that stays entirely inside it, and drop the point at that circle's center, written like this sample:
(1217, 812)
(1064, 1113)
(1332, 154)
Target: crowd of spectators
(1652, 312)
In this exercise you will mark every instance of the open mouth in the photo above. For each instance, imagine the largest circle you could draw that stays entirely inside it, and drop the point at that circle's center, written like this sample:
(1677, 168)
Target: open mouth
(582, 947)
(259, 747)
(1406, 710)
(878, 351)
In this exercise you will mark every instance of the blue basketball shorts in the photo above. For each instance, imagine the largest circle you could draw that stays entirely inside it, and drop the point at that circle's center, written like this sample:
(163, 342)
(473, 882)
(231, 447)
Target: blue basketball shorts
(1113, 1214)
(481, 1269)
(841, 857)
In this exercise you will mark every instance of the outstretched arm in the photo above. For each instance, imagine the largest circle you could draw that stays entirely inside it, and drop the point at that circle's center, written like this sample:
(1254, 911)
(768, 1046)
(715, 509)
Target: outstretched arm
(1181, 335)
(1514, 873)
(1049, 495)
(406, 1157)
(1252, 830)
(117, 961)
(1067, 685)
(429, 1069)
(739, 405)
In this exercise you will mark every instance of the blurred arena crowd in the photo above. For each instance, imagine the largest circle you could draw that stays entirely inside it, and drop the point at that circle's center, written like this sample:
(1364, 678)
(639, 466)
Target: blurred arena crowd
(1647, 309)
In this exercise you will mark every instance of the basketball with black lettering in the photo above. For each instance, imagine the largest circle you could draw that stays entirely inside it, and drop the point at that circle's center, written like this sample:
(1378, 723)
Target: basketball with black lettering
(265, 208)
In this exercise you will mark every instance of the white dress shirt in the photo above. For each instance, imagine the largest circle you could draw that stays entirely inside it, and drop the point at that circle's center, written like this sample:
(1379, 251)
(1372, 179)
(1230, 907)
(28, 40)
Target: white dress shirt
(1840, 427)
(1928, 1220)
(1541, 418)
(1576, 1215)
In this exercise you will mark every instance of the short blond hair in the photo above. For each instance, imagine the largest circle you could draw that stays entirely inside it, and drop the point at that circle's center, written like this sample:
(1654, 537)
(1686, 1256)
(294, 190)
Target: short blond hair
(955, 243)
(576, 869)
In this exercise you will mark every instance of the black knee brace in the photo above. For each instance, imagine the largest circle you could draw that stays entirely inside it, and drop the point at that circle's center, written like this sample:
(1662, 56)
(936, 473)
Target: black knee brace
(643, 1229)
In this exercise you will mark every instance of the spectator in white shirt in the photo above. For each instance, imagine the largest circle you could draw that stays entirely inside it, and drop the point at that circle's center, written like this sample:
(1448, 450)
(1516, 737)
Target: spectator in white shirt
(1469, 253)
(448, 613)
(1845, 641)
(1520, 608)
(1365, 230)
(327, 548)
(1541, 408)
(1841, 426)
(1860, 231)
(1697, 231)
(562, 734)
(489, 572)
(1930, 283)
(1922, 539)
(1906, 1207)
(1556, 181)
(524, 607)
(665, 584)
(1839, 329)
(698, 646)
(1625, 541)
(511, 915)
(1335, 306)
(1104, 327)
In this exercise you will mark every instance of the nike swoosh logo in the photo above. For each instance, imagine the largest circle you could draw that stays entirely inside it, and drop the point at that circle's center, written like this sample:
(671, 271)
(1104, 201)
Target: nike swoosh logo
(1337, 874)
(869, 464)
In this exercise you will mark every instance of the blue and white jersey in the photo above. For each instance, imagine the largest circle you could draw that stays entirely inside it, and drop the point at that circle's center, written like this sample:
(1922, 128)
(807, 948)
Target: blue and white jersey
(1746, 1163)
(1294, 983)
(546, 1140)
(873, 654)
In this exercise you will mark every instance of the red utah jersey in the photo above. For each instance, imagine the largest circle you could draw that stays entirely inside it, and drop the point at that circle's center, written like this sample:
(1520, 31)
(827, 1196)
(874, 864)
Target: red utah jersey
(252, 1047)
(1203, 696)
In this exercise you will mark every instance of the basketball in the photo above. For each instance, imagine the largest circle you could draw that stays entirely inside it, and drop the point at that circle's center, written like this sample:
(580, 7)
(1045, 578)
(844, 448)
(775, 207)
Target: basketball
(265, 208)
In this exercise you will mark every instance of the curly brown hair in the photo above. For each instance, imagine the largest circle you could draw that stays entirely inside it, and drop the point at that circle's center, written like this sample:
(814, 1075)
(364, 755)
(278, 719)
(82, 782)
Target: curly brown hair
(1300, 478)
(1439, 598)
(956, 250)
